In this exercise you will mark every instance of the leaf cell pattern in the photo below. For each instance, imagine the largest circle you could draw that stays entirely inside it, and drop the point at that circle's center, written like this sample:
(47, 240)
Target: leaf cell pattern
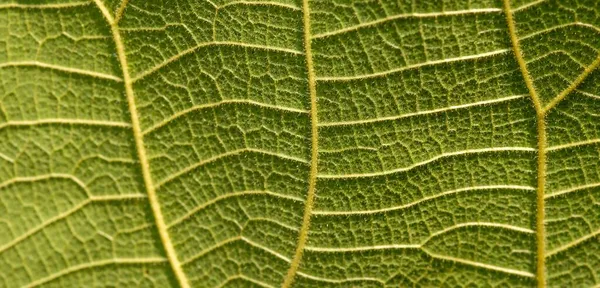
(314, 143)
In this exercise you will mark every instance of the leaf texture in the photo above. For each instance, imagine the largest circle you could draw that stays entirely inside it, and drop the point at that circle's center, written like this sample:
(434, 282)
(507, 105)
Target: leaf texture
(299, 143)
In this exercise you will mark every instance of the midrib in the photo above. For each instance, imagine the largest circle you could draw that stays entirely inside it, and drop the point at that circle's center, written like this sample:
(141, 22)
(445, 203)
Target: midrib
(141, 149)
(540, 115)
(312, 182)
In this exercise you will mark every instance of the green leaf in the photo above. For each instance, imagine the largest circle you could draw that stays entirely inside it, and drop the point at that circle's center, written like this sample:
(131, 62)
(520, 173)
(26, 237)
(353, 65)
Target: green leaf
(290, 143)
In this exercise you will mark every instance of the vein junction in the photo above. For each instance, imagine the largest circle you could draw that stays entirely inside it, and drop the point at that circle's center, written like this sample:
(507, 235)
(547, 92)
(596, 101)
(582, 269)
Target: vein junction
(541, 113)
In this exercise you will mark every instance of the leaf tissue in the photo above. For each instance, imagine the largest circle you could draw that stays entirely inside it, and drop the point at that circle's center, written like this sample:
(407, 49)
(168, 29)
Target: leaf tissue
(299, 143)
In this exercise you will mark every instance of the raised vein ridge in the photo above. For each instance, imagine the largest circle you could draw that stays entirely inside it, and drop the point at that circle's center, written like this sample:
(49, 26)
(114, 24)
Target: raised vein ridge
(540, 273)
(312, 181)
(141, 150)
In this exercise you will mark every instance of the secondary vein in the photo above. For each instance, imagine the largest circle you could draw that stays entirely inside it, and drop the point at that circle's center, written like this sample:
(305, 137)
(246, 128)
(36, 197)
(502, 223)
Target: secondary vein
(541, 143)
(310, 197)
(141, 151)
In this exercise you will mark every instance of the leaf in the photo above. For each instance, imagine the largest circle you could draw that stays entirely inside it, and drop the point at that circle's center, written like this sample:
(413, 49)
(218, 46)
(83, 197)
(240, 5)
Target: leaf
(321, 143)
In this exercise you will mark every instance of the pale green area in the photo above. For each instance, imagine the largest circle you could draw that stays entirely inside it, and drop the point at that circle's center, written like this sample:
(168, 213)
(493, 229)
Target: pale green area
(427, 143)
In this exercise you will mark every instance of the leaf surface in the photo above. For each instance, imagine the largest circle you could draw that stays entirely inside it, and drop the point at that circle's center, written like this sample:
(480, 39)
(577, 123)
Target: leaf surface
(289, 143)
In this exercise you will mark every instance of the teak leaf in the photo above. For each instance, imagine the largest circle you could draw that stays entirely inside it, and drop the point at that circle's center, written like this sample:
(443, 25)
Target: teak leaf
(299, 143)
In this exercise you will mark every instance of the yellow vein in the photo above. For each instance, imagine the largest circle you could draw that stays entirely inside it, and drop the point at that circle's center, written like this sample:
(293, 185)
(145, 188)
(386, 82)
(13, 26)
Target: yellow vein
(260, 3)
(225, 242)
(424, 162)
(571, 145)
(141, 151)
(120, 11)
(363, 248)
(227, 196)
(65, 214)
(548, 30)
(266, 249)
(424, 199)
(558, 52)
(528, 5)
(410, 15)
(419, 246)
(5, 157)
(349, 279)
(414, 66)
(46, 177)
(541, 161)
(223, 155)
(128, 261)
(588, 94)
(312, 181)
(43, 225)
(65, 122)
(45, 6)
(478, 224)
(60, 68)
(573, 189)
(574, 243)
(480, 265)
(210, 44)
(211, 248)
(217, 104)
(574, 85)
(426, 112)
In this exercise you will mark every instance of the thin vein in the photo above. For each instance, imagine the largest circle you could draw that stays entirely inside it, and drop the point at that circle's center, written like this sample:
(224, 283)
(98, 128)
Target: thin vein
(528, 5)
(424, 199)
(210, 249)
(481, 265)
(217, 104)
(426, 112)
(232, 240)
(141, 152)
(246, 278)
(64, 122)
(558, 52)
(440, 156)
(121, 11)
(44, 6)
(572, 189)
(572, 145)
(351, 279)
(588, 94)
(312, 180)
(362, 249)
(73, 269)
(281, 224)
(410, 15)
(478, 224)
(227, 196)
(5, 157)
(540, 275)
(413, 66)
(579, 24)
(586, 72)
(61, 69)
(63, 215)
(261, 3)
(573, 244)
(49, 176)
(224, 155)
(267, 249)
(421, 245)
(209, 44)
